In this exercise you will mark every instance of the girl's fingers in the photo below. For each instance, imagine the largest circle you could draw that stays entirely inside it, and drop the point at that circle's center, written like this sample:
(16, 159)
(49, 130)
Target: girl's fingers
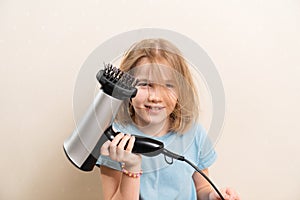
(113, 146)
(117, 139)
(130, 144)
(123, 142)
(104, 149)
(119, 149)
(232, 195)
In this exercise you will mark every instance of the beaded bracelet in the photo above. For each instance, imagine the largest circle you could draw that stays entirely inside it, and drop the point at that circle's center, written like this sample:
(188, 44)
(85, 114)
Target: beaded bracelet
(131, 174)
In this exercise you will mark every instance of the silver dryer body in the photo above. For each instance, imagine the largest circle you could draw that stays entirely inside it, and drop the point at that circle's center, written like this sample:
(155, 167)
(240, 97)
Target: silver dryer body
(82, 147)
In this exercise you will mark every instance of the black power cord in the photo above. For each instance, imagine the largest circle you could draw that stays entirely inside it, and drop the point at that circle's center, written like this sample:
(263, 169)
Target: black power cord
(172, 155)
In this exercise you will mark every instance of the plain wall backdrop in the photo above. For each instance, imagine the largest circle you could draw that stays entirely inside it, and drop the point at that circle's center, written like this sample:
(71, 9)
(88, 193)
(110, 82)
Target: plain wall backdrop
(254, 44)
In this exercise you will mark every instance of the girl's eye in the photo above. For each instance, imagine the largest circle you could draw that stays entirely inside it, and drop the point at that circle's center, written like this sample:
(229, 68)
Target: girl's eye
(169, 85)
(142, 84)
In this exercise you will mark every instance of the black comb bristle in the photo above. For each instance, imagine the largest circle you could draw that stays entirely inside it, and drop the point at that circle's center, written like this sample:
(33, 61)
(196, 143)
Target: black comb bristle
(117, 83)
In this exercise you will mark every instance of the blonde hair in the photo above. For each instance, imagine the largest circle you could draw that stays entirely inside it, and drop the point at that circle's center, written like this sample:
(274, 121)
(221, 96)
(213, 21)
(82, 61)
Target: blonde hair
(187, 107)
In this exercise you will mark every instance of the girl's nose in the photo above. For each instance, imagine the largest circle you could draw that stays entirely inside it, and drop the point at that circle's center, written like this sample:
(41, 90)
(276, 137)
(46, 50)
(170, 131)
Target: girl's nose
(154, 94)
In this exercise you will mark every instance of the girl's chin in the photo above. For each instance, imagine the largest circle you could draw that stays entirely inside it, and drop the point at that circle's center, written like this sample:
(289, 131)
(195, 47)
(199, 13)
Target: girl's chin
(151, 121)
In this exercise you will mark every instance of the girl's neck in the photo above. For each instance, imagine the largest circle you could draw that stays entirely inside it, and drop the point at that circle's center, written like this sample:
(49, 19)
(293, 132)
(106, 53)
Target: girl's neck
(157, 129)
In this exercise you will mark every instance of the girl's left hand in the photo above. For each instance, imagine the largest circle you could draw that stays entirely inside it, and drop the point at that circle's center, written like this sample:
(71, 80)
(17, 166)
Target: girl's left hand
(227, 193)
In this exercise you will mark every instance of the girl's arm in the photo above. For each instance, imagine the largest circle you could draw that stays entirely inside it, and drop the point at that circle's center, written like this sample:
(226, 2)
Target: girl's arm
(116, 184)
(206, 192)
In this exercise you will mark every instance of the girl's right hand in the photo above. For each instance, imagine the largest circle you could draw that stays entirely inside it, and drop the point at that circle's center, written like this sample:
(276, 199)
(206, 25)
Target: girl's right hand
(115, 150)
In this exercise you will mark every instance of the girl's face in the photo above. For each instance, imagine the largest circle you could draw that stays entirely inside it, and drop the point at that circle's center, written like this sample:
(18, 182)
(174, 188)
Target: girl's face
(156, 97)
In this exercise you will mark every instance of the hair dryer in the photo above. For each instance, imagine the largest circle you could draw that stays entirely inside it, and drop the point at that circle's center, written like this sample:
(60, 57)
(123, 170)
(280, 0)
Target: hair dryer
(83, 147)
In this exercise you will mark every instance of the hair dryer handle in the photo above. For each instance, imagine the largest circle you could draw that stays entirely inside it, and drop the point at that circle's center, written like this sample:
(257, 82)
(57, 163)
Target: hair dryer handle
(142, 145)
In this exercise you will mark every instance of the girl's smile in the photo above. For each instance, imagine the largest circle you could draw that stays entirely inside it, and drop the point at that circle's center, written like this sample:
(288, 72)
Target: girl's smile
(154, 109)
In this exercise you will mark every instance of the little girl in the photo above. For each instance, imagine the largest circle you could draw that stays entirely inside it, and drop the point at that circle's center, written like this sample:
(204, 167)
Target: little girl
(166, 109)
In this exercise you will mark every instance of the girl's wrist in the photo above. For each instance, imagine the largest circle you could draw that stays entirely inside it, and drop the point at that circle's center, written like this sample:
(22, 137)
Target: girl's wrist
(132, 167)
(134, 164)
(134, 174)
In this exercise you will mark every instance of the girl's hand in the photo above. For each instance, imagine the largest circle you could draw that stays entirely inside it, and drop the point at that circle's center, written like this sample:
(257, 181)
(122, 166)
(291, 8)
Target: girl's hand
(115, 150)
(227, 193)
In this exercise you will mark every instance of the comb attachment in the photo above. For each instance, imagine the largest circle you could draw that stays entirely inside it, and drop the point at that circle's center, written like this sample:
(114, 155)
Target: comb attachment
(117, 83)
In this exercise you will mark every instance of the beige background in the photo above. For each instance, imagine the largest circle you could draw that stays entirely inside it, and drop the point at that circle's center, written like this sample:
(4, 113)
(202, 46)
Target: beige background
(254, 44)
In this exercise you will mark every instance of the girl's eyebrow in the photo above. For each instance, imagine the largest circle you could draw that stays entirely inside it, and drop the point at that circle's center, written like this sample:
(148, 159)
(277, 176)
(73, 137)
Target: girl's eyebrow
(143, 80)
(147, 80)
(170, 81)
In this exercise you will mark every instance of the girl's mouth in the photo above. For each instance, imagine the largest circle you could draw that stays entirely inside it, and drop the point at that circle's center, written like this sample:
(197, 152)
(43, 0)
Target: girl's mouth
(154, 108)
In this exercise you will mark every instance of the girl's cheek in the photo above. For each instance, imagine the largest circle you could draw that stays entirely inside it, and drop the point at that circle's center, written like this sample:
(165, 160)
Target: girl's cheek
(141, 96)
